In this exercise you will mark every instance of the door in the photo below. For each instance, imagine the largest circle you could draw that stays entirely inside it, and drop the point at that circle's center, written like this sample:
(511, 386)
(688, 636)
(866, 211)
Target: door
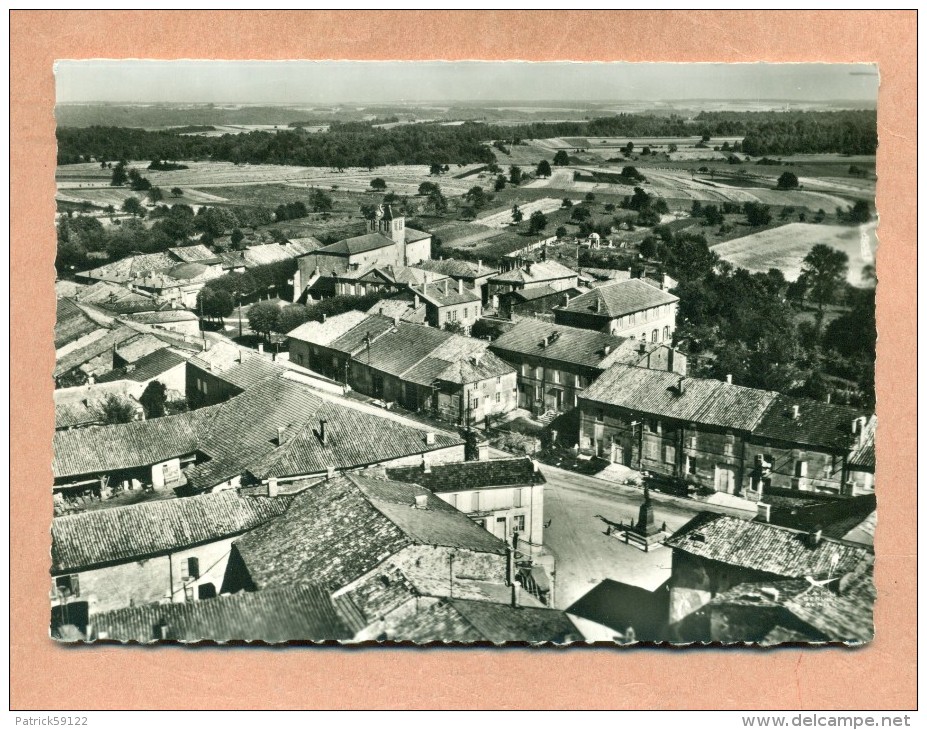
(500, 528)
(724, 478)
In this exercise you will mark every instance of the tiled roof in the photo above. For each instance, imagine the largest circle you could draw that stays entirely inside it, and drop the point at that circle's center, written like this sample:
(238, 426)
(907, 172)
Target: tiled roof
(92, 349)
(656, 392)
(620, 298)
(465, 475)
(818, 424)
(457, 268)
(130, 267)
(540, 271)
(77, 406)
(137, 347)
(461, 620)
(102, 449)
(864, 453)
(71, 323)
(353, 438)
(117, 298)
(402, 308)
(537, 292)
(166, 316)
(269, 253)
(445, 293)
(826, 610)
(289, 613)
(251, 371)
(189, 271)
(198, 253)
(147, 367)
(571, 345)
(324, 333)
(766, 548)
(413, 235)
(358, 244)
(345, 527)
(119, 534)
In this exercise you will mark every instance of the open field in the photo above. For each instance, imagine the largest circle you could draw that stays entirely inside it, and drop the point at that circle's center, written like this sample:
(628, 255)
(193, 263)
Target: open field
(502, 219)
(103, 196)
(784, 248)
(402, 179)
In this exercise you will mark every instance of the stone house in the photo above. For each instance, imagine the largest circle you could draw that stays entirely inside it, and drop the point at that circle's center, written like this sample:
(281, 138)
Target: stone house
(171, 550)
(555, 364)
(448, 302)
(504, 496)
(474, 275)
(529, 275)
(631, 308)
(717, 435)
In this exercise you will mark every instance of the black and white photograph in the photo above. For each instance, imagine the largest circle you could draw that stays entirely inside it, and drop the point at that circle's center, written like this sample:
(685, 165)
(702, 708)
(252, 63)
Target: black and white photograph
(464, 352)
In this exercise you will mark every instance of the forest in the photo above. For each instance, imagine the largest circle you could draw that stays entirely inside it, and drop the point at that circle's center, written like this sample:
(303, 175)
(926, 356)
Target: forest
(360, 144)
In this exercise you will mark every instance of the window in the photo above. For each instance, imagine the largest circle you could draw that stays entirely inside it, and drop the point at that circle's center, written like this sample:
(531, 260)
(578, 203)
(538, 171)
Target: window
(498, 380)
(669, 454)
(555, 376)
(654, 336)
(518, 523)
(690, 465)
(67, 585)
(498, 397)
(466, 312)
(666, 333)
(476, 403)
(525, 369)
(600, 415)
(630, 319)
(516, 498)
(728, 449)
(190, 569)
(207, 590)
(205, 388)
(475, 502)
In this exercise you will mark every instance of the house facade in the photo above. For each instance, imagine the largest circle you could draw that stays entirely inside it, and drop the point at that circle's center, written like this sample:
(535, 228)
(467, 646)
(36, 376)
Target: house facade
(555, 364)
(420, 368)
(528, 275)
(503, 496)
(450, 303)
(717, 435)
(631, 308)
(172, 550)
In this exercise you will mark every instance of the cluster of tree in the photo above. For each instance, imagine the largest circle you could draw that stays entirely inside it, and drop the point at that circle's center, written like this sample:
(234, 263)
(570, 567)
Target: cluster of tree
(712, 214)
(267, 317)
(432, 192)
(757, 214)
(561, 158)
(360, 144)
(649, 207)
(787, 181)
(165, 166)
(859, 213)
(217, 299)
(290, 211)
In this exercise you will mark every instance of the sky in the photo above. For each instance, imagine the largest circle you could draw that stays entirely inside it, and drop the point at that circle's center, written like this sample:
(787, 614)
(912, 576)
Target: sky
(336, 82)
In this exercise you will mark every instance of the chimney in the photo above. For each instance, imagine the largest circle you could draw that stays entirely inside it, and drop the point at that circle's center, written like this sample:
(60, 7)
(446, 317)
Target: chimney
(330, 472)
(598, 305)
(261, 348)
(415, 300)
(516, 589)
(381, 310)
(272, 490)
(796, 412)
(763, 511)
(608, 350)
(642, 348)
(729, 378)
(421, 501)
(396, 321)
(814, 537)
(479, 265)
(445, 287)
(460, 286)
(280, 430)
(322, 436)
(681, 386)
(528, 267)
(566, 300)
(430, 438)
(426, 467)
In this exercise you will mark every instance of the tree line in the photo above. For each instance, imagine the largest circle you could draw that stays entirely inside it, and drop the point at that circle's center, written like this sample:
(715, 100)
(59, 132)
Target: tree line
(360, 144)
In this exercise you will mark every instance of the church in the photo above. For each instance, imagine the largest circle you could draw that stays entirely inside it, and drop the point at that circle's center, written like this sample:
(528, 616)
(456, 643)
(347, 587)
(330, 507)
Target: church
(388, 242)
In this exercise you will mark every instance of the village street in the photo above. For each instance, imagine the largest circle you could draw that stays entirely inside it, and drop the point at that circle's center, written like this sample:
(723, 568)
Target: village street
(577, 508)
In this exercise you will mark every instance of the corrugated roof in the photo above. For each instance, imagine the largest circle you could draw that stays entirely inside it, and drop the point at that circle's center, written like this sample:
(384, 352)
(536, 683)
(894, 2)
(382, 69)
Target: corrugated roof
(656, 392)
(288, 613)
(346, 526)
(766, 548)
(571, 344)
(466, 475)
(818, 424)
(119, 534)
(618, 298)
